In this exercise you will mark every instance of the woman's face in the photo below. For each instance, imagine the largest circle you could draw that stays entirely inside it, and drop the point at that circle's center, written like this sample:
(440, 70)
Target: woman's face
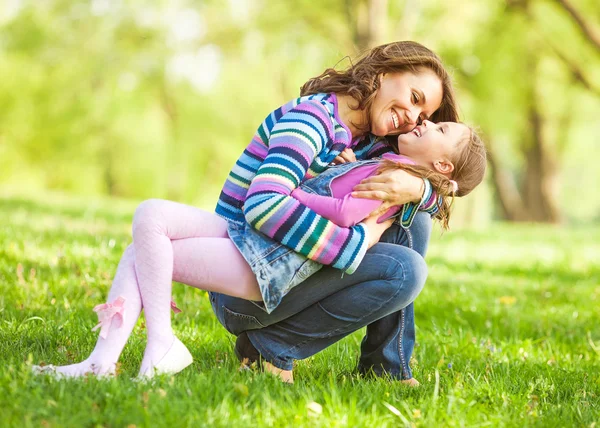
(433, 144)
(403, 99)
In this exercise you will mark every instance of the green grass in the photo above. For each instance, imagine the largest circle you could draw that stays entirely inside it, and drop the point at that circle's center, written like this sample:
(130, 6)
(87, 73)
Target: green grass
(508, 335)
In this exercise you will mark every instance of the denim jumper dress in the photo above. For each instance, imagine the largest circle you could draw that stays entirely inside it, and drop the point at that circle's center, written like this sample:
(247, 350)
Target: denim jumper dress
(278, 268)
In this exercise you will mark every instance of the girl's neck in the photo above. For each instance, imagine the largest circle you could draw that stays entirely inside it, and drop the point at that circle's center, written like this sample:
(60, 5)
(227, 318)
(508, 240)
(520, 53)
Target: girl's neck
(355, 119)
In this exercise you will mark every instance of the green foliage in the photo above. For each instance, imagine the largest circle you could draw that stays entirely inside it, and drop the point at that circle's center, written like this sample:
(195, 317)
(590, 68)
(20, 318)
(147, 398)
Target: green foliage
(507, 336)
(139, 99)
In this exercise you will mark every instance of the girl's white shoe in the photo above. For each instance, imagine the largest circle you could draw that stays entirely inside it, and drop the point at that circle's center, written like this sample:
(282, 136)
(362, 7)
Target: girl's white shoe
(175, 360)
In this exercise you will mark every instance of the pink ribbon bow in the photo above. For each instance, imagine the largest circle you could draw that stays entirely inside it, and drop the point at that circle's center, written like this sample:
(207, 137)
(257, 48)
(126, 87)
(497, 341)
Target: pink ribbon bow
(454, 186)
(106, 312)
(174, 307)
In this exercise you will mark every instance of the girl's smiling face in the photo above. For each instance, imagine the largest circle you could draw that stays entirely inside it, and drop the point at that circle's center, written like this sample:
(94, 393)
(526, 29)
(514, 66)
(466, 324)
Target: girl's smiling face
(403, 100)
(433, 145)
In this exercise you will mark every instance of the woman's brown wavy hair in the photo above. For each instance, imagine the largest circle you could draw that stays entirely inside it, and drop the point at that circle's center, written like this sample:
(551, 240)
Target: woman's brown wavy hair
(361, 80)
(469, 160)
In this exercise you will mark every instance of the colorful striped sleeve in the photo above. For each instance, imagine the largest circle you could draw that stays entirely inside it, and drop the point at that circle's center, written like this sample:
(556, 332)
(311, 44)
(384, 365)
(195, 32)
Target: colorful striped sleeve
(371, 147)
(378, 148)
(295, 141)
(430, 199)
(427, 204)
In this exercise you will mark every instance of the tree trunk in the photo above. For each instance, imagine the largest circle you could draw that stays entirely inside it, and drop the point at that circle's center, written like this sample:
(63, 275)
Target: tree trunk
(369, 19)
(536, 199)
(378, 12)
(175, 170)
(507, 191)
(109, 169)
(540, 175)
(584, 27)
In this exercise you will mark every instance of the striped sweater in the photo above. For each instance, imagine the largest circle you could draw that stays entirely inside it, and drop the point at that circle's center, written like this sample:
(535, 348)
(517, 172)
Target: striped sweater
(296, 142)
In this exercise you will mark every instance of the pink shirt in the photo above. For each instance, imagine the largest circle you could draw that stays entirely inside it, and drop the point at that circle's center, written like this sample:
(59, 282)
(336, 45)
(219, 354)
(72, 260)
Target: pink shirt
(343, 209)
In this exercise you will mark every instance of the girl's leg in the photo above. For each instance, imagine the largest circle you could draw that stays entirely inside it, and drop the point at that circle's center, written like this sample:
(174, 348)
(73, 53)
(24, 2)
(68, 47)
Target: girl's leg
(104, 357)
(214, 264)
(211, 262)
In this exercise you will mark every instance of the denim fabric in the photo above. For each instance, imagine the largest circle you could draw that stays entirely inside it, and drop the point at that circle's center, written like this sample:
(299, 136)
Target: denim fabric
(393, 336)
(329, 305)
(277, 268)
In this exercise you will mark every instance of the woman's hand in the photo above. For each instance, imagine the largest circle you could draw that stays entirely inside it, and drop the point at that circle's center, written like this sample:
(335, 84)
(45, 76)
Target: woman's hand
(346, 156)
(394, 187)
(374, 229)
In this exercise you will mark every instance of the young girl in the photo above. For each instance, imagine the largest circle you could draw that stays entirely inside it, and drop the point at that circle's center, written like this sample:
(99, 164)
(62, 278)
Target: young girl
(389, 91)
(451, 155)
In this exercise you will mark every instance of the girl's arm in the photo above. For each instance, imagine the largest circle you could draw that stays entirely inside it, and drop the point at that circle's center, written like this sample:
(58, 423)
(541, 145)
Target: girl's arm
(294, 143)
(345, 212)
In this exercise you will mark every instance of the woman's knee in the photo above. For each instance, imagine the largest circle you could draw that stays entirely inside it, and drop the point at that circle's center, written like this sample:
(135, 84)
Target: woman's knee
(418, 274)
(147, 216)
(408, 275)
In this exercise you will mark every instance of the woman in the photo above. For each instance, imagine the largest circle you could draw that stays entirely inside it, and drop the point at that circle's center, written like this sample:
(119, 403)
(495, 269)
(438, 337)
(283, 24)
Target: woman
(389, 91)
(450, 154)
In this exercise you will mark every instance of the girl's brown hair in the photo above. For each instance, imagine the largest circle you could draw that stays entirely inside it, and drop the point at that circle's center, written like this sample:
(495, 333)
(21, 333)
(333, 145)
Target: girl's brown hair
(361, 80)
(470, 161)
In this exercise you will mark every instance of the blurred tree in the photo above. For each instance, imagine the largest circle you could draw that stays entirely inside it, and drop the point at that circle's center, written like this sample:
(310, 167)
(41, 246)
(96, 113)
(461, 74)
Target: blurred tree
(368, 20)
(516, 72)
(584, 26)
(158, 99)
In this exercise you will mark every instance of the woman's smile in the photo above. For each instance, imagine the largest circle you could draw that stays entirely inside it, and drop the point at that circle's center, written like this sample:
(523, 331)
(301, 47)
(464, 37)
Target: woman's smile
(395, 120)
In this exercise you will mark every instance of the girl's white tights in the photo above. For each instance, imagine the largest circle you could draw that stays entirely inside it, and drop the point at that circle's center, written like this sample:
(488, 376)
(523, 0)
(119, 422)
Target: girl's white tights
(171, 241)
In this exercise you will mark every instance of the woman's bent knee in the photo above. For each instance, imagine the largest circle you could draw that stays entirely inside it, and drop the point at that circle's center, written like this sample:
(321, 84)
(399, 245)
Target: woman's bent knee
(419, 274)
(410, 274)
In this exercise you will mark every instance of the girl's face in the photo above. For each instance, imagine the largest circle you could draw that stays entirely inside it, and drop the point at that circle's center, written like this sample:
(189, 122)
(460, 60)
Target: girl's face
(433, 144)
(403, 99)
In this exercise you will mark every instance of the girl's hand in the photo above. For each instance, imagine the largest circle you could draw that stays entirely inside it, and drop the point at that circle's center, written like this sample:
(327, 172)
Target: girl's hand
(374, 229)
(346, 156)
(395, 187)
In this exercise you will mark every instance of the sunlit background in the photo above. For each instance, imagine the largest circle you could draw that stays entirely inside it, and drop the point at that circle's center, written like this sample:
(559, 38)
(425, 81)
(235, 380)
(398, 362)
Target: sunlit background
(138, 99)
(104, 103)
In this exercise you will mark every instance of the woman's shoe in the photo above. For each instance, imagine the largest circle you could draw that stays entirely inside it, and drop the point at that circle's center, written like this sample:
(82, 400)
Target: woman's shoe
(175, 360)
(247, 354)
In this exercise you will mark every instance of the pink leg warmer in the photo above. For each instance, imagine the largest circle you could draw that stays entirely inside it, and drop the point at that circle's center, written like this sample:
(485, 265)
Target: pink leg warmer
(116, 329)
(207, 259)
(171, 242)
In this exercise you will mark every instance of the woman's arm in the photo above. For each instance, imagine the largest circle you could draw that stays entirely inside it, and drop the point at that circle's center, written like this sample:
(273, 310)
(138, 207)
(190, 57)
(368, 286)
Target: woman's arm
(294, 143)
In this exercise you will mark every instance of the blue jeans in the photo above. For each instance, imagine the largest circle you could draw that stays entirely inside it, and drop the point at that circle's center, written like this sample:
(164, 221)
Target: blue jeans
(328, 306)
